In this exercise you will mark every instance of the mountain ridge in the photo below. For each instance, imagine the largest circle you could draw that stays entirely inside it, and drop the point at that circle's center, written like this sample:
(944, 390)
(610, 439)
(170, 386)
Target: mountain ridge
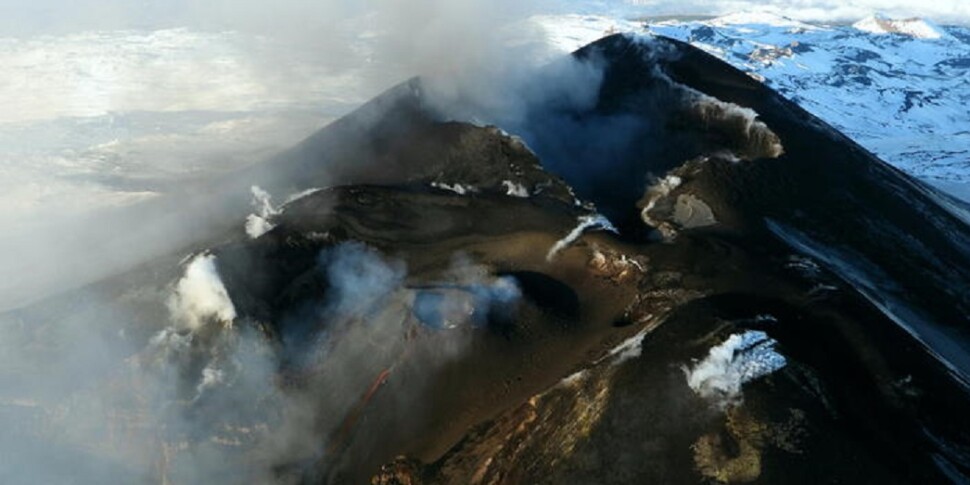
(767, 302)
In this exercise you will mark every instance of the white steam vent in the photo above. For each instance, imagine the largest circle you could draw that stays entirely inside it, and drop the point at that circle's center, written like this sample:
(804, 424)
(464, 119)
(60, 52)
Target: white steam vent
(515, 190)
(587, 222)
(662, 188)
(200, 296)
(259, 223)
(750, 137)
(740, 359)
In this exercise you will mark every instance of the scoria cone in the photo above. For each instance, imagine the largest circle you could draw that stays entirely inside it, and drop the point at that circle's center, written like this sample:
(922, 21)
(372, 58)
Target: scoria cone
(690, 279)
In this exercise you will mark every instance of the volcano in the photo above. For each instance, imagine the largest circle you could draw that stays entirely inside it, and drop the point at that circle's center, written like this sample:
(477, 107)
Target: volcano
(686, 279)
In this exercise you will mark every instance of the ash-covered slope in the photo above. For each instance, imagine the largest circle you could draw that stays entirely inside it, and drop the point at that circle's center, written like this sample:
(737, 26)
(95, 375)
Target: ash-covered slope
(858, 272)
(823, 261)
(765, 302)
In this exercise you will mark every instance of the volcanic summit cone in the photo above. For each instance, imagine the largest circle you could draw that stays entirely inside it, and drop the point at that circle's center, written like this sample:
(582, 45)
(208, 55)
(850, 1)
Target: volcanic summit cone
(690, 279)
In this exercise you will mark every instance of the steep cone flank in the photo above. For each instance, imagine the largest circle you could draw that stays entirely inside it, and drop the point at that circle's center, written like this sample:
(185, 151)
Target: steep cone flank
(687, 279)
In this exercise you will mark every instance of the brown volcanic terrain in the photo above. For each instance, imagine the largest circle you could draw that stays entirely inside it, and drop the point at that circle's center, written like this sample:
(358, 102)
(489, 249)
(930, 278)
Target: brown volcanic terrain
(423, 322)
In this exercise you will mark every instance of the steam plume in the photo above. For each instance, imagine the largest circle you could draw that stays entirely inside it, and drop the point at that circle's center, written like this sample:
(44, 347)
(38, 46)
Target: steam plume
(200, 296)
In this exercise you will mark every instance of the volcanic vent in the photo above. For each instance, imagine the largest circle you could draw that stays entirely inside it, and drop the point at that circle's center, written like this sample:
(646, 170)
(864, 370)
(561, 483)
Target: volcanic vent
(681, 277)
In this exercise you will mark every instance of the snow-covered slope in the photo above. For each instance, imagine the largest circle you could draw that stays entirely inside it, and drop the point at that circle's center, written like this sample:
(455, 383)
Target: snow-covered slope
(898, 87)
(913, 27)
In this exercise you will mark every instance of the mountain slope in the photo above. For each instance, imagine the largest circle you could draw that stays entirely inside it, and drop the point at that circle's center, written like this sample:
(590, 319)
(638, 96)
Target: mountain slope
(818, 249)
(684, 278)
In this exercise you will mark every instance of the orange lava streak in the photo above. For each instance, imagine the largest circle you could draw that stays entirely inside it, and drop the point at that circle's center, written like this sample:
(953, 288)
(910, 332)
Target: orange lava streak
(351, 420)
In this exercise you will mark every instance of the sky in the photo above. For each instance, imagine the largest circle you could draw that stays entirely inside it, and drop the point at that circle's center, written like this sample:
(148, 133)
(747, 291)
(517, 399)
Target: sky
(19, 17)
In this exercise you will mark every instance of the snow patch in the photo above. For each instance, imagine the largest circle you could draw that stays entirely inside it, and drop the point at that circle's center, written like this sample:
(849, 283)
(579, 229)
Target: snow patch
(515, 190)
(914, 27)
(456, 188)
(759, 18)
(739, 359)
(587, 222)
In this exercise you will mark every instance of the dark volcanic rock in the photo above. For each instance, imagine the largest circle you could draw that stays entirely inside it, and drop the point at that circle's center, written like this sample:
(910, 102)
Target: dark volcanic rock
(396, 140)
(873, 325)
(777, 305)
